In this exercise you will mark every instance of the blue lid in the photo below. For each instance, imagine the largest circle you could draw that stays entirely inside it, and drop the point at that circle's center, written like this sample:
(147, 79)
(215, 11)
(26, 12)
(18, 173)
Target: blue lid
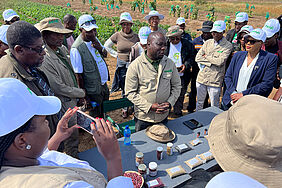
(127, 127)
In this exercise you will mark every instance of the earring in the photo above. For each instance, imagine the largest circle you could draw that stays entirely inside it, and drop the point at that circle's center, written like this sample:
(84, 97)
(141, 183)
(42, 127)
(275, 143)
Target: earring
(28, 147)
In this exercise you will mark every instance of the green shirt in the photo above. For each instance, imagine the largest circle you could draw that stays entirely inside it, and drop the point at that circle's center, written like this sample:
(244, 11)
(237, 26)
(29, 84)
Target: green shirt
(154, 63)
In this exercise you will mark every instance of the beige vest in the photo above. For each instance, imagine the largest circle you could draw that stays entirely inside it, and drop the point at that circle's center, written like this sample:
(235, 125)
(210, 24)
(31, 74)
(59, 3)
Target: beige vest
(48, 177)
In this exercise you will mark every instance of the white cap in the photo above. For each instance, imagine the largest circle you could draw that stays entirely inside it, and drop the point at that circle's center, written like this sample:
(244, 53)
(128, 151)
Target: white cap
(125, 16)
(257, 34)
(87, 22)
(246, 28)
(3, 33)
(271, 27)
(241, 17)
(233, 180)
(218, 26)
(9, 14)
(154, 13)
(180, 21)
(19, 104)
(143, 34)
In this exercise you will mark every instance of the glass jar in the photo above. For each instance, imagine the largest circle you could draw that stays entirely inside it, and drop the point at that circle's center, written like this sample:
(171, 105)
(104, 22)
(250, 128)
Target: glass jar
(139, 158)
(153, 169)
(142, 169)
(169, 148)
(160, 153)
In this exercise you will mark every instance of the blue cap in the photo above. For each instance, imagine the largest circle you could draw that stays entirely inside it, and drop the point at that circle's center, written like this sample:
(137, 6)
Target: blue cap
(9, 14)
(3, 33)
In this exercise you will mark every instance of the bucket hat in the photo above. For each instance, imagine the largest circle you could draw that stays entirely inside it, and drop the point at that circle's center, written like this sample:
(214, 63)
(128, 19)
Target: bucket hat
(247, 139)
(154, 13)
(160, 133)
(174, 31)
(52, 24)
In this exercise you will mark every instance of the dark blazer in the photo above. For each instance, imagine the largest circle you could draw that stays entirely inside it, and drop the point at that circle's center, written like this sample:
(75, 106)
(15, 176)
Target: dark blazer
(188, 53)
(262, 77)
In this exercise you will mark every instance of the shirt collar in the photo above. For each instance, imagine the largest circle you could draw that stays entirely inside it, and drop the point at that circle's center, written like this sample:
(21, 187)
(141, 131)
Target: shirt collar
(150, 60)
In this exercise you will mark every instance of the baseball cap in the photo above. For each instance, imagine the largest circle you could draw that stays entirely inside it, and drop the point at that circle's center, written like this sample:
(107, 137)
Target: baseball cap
(241, 17)
(9, 14)
(125, 17)
(87, 22)
(3, 33)
(19, 104)
(154, 13)
(271, 27)
(180, 21)
(52, 24)
(257, 34)
(246, 28)
(233, 180)
(206, 27)
(218, 26)
(143, 34)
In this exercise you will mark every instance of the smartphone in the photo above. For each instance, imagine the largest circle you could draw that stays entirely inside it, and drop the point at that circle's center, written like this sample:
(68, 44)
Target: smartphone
(84, 121)
(192, 124)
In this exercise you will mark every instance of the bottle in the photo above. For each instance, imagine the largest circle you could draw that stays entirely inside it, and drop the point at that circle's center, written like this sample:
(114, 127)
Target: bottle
(127, 133)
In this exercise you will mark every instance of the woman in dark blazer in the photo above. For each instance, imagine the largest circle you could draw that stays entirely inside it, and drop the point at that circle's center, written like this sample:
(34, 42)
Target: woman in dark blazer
(250, 72)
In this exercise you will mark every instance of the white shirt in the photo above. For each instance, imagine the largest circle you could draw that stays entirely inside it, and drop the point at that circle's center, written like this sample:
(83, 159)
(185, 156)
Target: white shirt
(77, 64)
(175, 55)
(245, 74)
(54, 158)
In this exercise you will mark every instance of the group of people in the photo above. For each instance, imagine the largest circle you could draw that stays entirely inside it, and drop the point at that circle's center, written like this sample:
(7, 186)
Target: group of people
(154, 68)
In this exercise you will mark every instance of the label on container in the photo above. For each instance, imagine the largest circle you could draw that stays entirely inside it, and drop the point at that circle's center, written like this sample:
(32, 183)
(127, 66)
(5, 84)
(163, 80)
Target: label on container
(182, 146)
(152, 183)
(174, 170)
(152, 173)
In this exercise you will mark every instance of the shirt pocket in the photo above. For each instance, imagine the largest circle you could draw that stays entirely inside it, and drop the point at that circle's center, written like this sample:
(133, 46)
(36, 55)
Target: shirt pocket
(167, 75)
(89, 66)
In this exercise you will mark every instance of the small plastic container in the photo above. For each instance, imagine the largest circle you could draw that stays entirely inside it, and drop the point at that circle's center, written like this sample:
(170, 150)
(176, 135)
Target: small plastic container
(160, 153)
(139, 158)
(169, 150)
(153, 169)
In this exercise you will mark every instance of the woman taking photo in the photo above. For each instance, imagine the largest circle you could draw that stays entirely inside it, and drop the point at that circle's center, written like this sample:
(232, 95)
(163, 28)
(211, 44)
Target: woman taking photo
(123, 40)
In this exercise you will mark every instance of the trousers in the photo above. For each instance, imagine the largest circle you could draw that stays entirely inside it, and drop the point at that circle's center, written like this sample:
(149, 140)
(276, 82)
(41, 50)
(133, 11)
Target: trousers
(214, 94)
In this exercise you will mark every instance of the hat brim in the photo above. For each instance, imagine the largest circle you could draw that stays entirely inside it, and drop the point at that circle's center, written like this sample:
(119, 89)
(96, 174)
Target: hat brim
(269, 34)
(57, 30)
(206, 30)
(174, 34)
(219, 31)
(47, 105)
(11, 17)
(153, 137)
(229, 160)
(90, 27)
(240, 21)
(125, 21)
(143, 41)
(161, 17)
(250, 35)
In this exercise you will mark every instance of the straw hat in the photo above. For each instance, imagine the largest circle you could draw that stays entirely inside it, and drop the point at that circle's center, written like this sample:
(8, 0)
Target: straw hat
(160, 133)
(174, 31)
(52, 24)
(247, 139)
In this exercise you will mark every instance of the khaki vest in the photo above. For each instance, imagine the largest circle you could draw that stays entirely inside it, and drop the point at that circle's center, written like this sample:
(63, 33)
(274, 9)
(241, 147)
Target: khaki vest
(91, 74)
(48, 177)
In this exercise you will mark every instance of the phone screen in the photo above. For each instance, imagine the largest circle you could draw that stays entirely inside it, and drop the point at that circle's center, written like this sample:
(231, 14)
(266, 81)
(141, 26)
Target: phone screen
(84, 121)
(192, 124)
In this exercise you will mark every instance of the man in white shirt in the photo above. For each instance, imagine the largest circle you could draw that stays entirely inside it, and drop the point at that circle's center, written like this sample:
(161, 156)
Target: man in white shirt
(89, 65)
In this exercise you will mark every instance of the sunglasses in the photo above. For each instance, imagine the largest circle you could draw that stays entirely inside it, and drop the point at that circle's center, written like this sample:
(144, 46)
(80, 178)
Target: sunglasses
(252, 42)
(39, 51)
(174, 38)
(89, 23)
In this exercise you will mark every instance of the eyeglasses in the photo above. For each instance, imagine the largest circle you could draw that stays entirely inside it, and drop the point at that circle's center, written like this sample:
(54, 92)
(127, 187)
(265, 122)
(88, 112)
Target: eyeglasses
(174, 38)
(252, 42)
(89, 23)
(39, 51)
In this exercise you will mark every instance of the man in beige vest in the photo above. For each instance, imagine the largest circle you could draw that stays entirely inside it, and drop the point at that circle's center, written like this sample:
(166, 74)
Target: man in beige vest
(152, 83)
(211, 59)
(60, 74)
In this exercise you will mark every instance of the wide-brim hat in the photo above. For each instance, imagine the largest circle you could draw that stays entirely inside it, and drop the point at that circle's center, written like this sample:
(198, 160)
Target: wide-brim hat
(247, 139)
(160, 133)
(174, 31)
(52, 24)
(154, 13)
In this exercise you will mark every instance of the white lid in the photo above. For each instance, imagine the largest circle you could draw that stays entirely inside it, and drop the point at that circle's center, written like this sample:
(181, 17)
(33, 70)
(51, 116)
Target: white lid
(153, 165)
(169, 144)
(160, 148)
